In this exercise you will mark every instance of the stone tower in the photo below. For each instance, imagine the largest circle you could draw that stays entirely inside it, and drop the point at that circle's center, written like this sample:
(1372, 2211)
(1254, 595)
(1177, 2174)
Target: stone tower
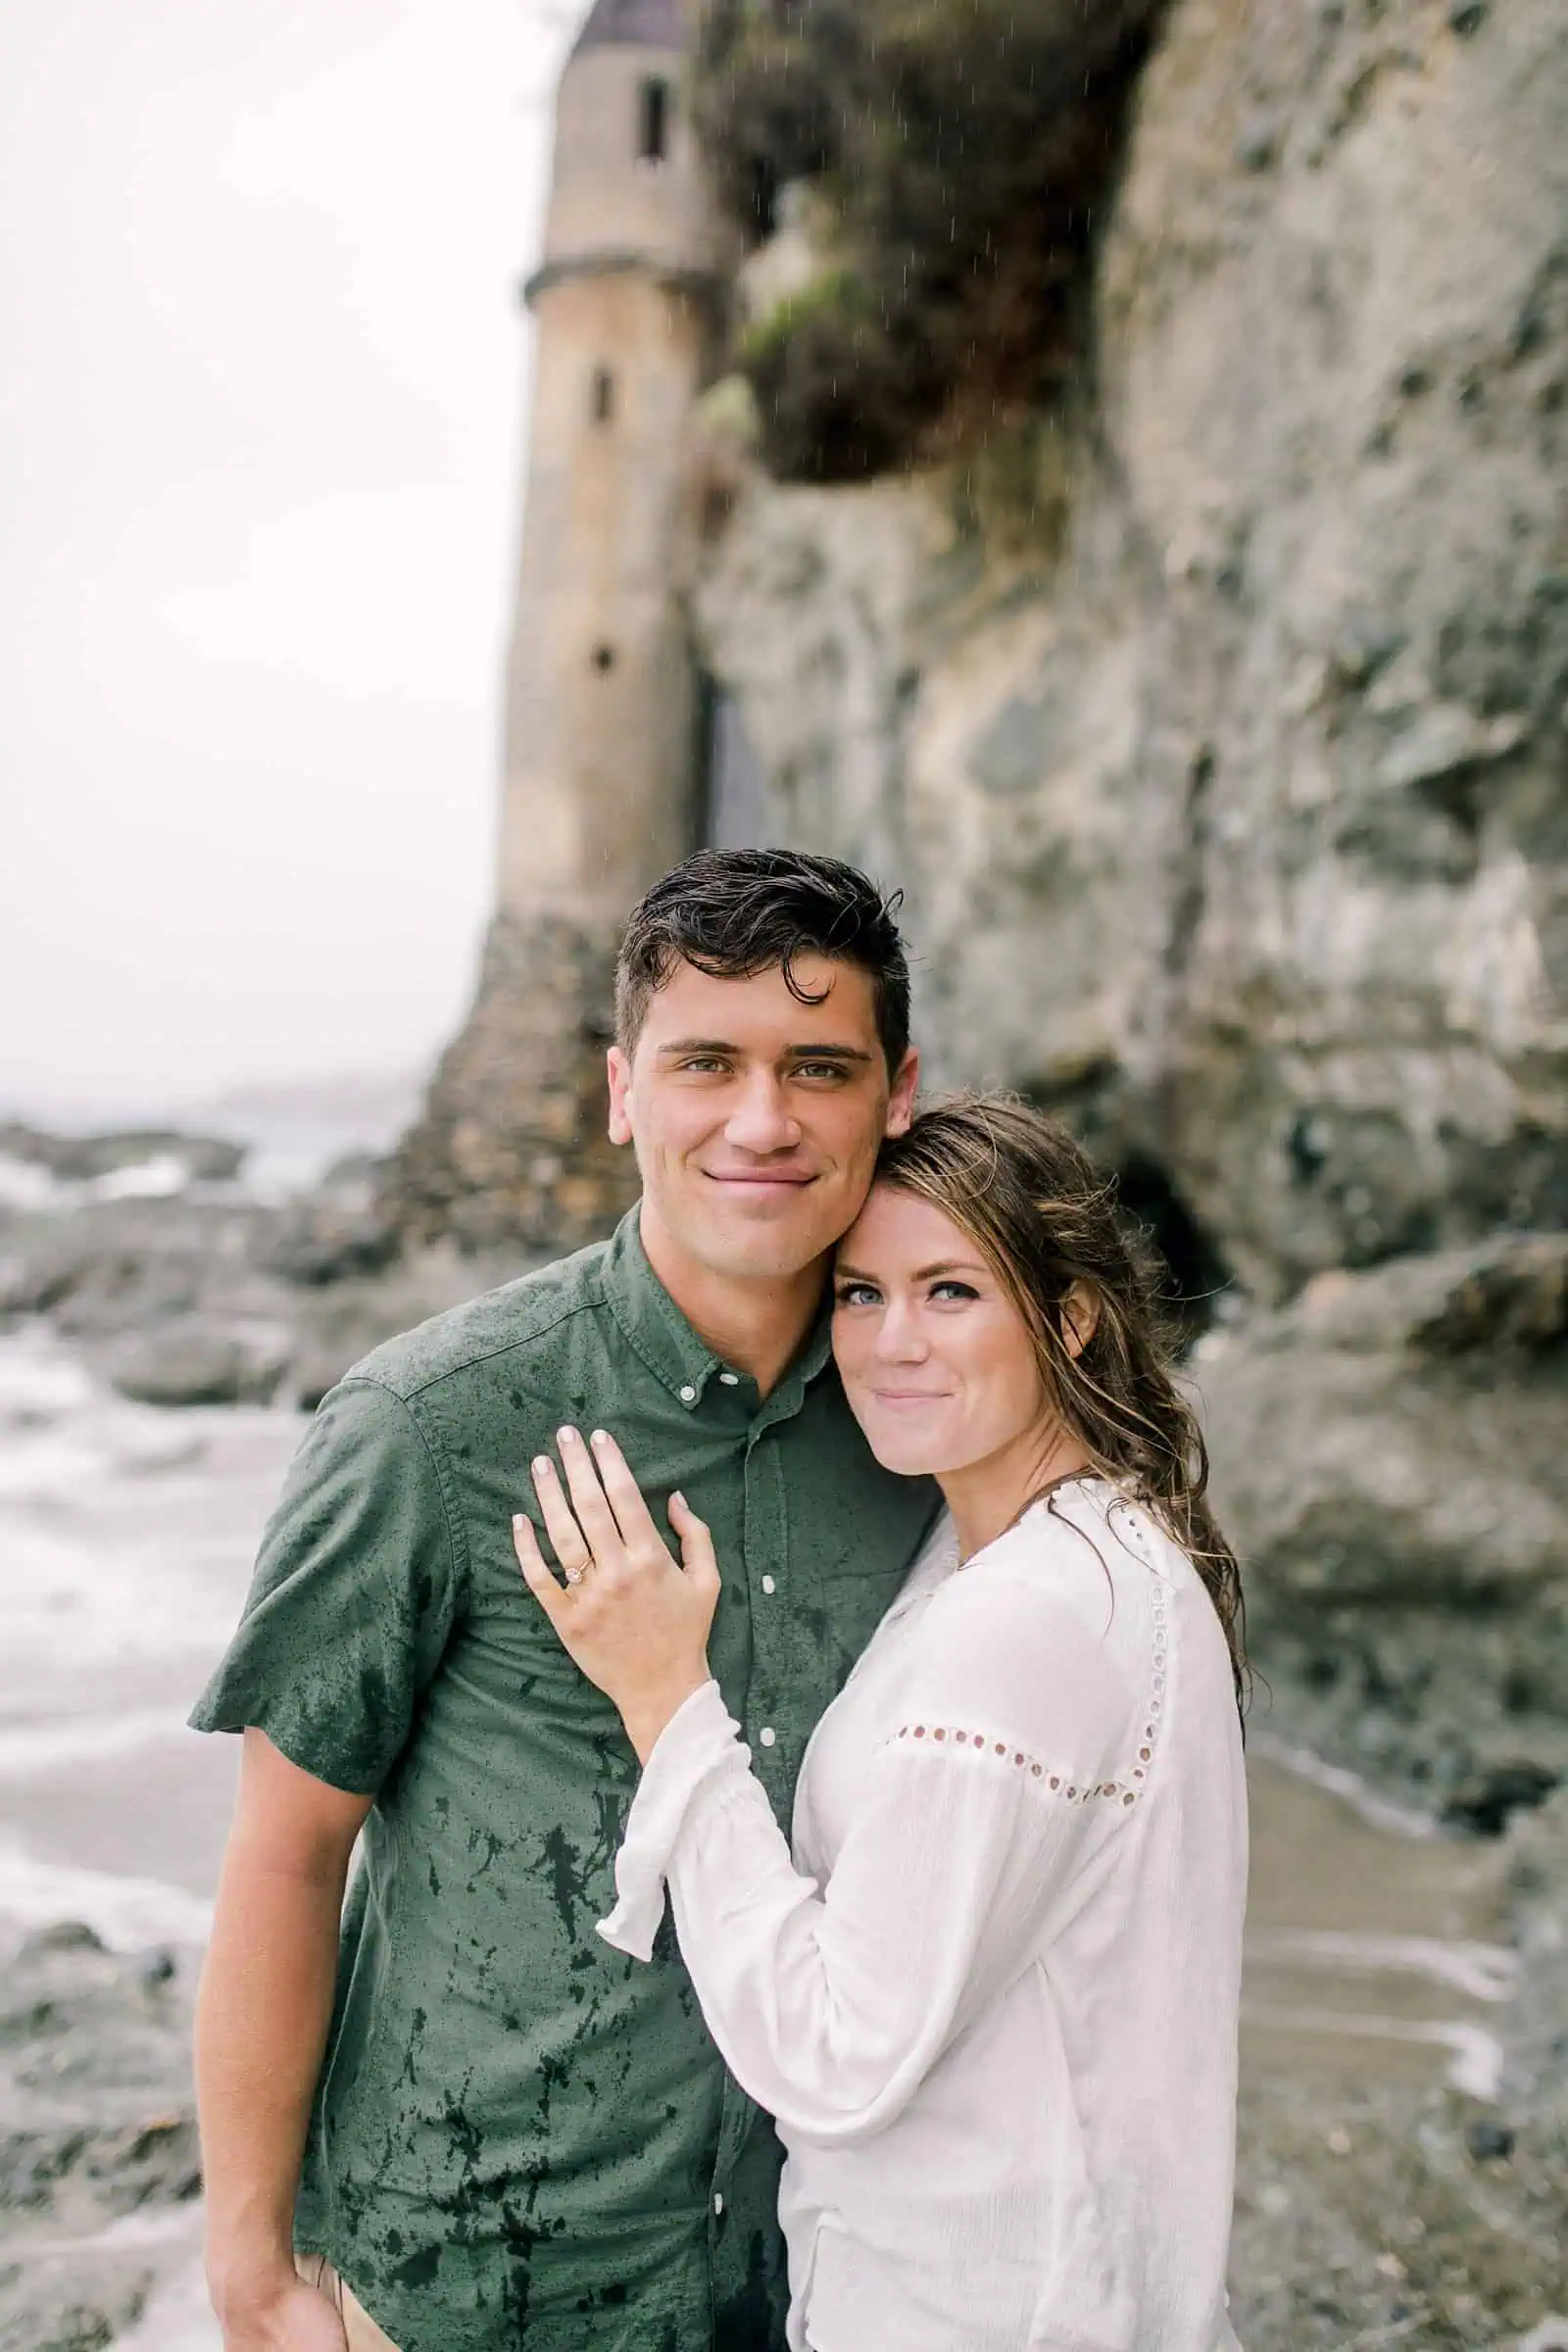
(600, 782)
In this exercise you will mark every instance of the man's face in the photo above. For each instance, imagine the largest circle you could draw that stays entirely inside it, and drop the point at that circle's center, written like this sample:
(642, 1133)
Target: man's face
(756, 1119)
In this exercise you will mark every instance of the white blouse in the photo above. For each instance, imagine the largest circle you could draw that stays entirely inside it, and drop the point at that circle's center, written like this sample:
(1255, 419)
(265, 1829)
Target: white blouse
(992, 1999)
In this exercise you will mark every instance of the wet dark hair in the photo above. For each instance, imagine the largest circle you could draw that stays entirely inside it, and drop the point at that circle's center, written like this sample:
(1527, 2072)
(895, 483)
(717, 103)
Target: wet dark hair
(1044, 1219)
(734, 913)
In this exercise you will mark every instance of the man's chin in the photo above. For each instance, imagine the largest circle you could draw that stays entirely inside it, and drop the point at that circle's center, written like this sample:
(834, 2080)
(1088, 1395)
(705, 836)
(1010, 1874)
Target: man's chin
(761, 1254)
(755, 1247)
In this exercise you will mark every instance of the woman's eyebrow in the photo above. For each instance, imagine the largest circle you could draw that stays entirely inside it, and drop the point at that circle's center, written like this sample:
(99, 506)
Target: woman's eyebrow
(956, 1265)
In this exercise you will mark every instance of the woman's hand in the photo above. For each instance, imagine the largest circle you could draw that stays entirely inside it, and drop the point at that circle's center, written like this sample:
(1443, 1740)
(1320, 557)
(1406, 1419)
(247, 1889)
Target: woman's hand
(634, 1622)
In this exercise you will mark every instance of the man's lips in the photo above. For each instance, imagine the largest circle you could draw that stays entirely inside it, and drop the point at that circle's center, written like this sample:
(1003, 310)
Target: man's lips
(773, 1180)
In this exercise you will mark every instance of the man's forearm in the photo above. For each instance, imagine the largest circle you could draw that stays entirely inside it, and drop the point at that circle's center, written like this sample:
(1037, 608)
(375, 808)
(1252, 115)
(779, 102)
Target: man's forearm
(262, 2022)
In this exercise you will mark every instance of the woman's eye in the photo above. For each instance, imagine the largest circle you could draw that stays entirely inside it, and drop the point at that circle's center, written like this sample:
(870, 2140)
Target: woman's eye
(953, 1290)
(856, 1293)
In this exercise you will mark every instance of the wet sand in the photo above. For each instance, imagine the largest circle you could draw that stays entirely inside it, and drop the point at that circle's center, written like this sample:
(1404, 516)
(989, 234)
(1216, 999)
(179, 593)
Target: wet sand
(1370, 1946)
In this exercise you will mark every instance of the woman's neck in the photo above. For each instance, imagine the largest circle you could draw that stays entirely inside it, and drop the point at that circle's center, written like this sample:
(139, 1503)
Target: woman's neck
(987, 1496)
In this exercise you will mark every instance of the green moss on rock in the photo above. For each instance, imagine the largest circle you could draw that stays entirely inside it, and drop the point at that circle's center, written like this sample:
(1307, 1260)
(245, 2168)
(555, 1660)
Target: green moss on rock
(965, 150)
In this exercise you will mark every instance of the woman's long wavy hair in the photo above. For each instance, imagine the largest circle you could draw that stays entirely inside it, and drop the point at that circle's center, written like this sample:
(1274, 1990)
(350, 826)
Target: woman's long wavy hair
(1044, 1220)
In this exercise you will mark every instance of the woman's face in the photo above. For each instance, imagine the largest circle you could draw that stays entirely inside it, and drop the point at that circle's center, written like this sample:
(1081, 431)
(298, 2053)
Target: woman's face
(937, 1362)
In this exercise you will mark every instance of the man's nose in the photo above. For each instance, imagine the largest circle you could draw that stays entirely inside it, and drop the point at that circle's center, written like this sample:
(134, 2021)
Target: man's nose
(762, 1121)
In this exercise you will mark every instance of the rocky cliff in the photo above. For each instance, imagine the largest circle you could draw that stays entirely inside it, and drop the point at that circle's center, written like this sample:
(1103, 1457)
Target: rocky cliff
(1205, 689)
(1212, 716)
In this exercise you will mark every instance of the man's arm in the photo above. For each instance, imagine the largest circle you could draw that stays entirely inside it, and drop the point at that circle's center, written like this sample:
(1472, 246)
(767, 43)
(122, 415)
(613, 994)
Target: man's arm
(262, 2022)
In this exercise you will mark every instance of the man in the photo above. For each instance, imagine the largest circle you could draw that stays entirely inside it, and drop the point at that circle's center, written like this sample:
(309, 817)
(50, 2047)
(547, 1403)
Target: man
(500, 2132)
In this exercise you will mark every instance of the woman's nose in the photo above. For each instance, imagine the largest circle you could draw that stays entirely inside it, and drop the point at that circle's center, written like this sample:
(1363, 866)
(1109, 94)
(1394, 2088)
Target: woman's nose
(899, 1338)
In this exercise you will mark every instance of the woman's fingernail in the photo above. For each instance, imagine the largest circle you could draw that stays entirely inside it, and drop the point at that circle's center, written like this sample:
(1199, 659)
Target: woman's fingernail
(568, 1436)
(601, 1436)
(543, 1466)
(679, 1498)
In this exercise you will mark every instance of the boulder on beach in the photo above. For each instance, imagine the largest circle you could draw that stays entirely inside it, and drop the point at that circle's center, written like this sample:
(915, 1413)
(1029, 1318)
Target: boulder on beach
(200, 1359)
(96, 2123)
(1388, 1459)
(88, 1159)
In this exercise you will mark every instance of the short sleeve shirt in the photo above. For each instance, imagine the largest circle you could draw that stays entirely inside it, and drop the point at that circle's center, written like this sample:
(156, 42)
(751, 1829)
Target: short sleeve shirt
(522, 2136)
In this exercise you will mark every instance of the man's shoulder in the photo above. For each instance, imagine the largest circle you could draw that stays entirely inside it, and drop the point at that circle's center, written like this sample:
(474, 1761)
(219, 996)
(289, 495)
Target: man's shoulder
(519, 1316)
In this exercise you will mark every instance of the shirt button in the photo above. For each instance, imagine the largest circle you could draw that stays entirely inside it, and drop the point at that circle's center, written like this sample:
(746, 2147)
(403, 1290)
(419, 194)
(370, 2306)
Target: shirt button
(767, 1735)
(688, 1395)
(731, 1380)
(768, 1585)
(718, 2202)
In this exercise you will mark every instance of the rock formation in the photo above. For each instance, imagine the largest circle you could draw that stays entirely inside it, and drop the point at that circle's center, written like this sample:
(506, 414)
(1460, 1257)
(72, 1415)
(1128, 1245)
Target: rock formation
(1208, 699)
(1214, 717)
(1214, 720)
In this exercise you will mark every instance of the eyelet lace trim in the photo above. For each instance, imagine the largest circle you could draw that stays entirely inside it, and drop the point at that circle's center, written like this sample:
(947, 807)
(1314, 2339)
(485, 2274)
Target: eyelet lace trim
(1133, 1785)
(1074, 1793)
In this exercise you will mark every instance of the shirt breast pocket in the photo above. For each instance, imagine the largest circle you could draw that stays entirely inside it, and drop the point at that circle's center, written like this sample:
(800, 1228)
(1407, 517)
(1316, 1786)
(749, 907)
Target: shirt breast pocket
(511, 1651)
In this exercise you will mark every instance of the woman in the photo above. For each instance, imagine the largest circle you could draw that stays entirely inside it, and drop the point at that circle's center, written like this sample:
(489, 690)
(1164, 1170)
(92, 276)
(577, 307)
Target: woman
(991, 1997)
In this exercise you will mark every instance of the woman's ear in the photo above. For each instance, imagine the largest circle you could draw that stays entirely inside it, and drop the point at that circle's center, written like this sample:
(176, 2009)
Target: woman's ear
(1080, 1314)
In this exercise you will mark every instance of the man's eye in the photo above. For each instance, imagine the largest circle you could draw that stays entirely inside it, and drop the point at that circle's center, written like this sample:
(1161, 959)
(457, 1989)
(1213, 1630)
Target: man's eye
(702, 1064)
(856, 1293)
(820, 1069)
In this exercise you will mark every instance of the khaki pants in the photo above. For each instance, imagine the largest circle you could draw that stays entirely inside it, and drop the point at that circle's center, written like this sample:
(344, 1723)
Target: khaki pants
(357, 2326)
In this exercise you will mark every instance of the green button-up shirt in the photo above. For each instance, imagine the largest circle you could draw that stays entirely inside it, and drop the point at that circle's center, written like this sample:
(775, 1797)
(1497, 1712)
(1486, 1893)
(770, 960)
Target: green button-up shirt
(521, 2135)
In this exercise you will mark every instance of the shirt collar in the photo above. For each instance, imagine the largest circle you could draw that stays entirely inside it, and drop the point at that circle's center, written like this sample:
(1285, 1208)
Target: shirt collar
(659, 1333)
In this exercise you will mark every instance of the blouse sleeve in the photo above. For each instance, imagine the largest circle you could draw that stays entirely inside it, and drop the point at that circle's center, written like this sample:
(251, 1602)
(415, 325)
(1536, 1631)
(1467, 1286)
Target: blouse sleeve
(985, 1817)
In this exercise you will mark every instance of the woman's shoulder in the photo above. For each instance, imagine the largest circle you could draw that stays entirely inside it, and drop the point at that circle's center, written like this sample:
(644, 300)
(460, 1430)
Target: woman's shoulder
(1076, 1546)
(1037, 1627)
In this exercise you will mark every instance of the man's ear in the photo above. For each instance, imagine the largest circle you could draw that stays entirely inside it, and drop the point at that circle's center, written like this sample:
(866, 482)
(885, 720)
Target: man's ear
(900, 1099)
(617, 1067)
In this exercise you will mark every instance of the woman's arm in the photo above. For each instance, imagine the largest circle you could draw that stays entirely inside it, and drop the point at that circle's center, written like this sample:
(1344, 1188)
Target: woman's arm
(964, 1854)
(969, 1837)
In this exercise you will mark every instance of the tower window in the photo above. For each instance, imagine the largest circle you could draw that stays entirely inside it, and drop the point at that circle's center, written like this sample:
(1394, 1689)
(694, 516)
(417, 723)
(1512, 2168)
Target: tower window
(653, 121)
(604, 396)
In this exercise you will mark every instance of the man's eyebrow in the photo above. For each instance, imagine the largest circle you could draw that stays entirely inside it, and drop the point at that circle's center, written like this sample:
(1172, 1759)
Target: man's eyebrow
(723, 1044)
(955, 1265)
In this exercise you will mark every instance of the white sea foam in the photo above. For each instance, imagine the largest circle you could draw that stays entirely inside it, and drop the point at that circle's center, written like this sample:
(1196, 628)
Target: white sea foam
(127, 1913)
(38, 1749)
(1475, 2055)
(1405, 1821)
(177, 2319)
(1483, 1972)
(127, 1533)
(38, 1378)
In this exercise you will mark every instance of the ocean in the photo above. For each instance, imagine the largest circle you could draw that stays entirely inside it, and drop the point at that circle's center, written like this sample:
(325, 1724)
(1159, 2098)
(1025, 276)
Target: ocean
(127, 1537)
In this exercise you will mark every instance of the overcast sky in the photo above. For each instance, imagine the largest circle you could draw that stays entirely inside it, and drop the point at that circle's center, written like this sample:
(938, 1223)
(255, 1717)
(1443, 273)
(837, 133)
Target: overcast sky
(261, 389)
